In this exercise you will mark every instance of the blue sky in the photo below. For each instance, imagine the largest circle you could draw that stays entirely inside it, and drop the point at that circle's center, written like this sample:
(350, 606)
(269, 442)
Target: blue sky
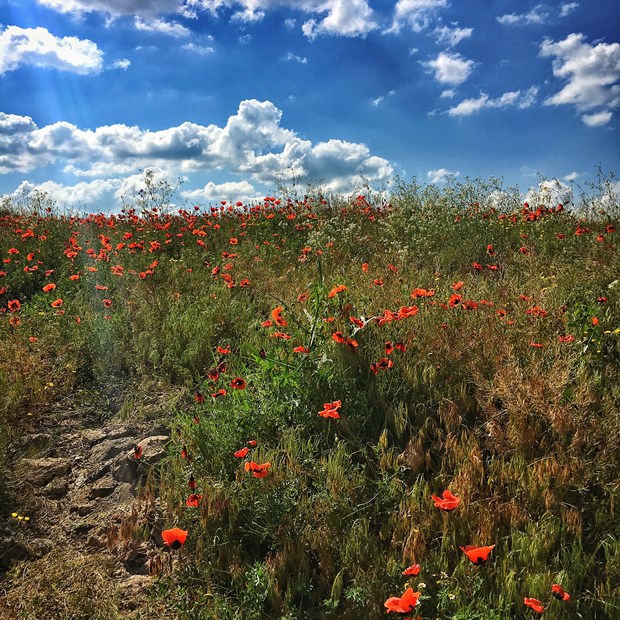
(232, 95)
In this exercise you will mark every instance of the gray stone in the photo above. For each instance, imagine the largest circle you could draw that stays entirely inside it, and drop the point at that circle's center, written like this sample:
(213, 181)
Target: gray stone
(153, 448)
(107, 450)
(125, 469)
(42, 471)
(93, 435)
(55, 489)
(102, 488)
(41, 546)
(12, 550)
(120, 433)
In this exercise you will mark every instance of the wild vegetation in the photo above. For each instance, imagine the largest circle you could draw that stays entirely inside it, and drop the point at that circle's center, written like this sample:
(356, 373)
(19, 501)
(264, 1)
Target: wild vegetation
(368, 354)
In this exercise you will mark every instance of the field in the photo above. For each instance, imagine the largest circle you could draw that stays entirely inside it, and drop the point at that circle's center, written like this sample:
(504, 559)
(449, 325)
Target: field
(320, 368)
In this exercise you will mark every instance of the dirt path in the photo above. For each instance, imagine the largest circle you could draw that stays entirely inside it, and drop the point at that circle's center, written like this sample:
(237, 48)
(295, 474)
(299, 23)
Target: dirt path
(67, 545)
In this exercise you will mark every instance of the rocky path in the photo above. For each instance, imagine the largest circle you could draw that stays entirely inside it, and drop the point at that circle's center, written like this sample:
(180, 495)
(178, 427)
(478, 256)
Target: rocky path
(80, 495)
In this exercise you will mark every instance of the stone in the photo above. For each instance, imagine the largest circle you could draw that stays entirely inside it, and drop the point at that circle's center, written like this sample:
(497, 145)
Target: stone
(82, 509)
(125, 469)
(153, 448)
(12, 550)
(55, 489)
(102, 488)
(93, 435)
(42, 471)
(119, 433)
(41, 546)
(107, 450)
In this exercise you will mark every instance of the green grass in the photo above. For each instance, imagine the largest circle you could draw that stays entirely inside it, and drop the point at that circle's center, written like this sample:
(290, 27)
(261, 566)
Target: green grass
(484, 400)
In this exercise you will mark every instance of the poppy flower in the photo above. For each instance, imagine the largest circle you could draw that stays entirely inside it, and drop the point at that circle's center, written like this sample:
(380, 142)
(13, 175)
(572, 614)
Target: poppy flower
(193, 501)
(455, 300)
(330, 410)
(49, 287)
(199, 398)
(218, 393)
(191, 483)
(14, 305)
(185, 454)
(447, 501)
(303, 297)
(405, 603)
(594, 321)
(57, 303)
(238, 384)
(414, 569)
(240, 454)
(567, 338)
(174, 538)
(252, 443)
(558, 591)
(107, 303)
(336, 290)
(276, 315)
(137, 451)
(477, 555)
(258, 471)
(535, 604)
(457, 286)
(301, 349)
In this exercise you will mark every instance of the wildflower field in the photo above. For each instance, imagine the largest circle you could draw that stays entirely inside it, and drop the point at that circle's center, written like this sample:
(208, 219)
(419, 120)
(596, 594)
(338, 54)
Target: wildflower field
(375, 409)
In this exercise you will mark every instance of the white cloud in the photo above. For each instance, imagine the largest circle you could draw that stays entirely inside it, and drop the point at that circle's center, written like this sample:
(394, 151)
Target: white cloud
(448, 93)
(572, 176)
(160, 26)
(440, 175)
(538, 15)
(202, 50)
(415, 13)
(517, 98)
(295, 58)
(598, 119)
(452, 36)
(591, 74)
(99, 191)
(38, 47)
(252, 143)
(549, 193)
(568, 8)
(231, 191)
(123, 64)
(348, 18)
(450, 68)
(377, 102)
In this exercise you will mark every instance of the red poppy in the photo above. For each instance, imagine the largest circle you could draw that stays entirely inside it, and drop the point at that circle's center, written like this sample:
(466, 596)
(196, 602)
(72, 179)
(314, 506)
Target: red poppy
(57, 303)
(199, 398)
(218, 393)
(330, 410)
(185, 454)
(238, 384)
(137, 451)
(364, 267)
(594, 321)
(405, 603)
(280, 335)
(447, 501)
(336, 290)
(174, 538)
(389, 348)
(193, 501)
(558, 591)
(457, 286)
(414, 569)
(276, 315)
(422, 292)
(303, 297)
(49, 287)
(401, 346)
(240, 454)
(535, 604)
(455, 300)
(338, 337)
(258, 471)
(191, 483)
(107, 303)
(301, 349)
(567, 338)
(14, 305)
(252, 443)
(478, 555)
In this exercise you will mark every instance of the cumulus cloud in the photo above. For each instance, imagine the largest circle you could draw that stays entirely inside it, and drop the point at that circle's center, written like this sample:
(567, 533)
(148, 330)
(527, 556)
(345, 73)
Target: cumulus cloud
(77, 196)
(451, 36)
(591, 74)
(440, 175)
(252, 143)
(519, 99)
(450, 68)
(202, 50)
(567, 8)
(160, 26)
(38, 47)
(415, 13)
(230, 191)
(123, 64)
(295, 58)
(549, 193)
(349, 18)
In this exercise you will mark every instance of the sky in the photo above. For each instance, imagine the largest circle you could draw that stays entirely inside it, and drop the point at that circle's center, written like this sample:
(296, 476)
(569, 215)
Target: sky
(231, 99)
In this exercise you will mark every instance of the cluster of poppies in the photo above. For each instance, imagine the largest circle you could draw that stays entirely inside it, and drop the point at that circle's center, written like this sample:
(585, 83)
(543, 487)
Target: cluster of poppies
(477, 555)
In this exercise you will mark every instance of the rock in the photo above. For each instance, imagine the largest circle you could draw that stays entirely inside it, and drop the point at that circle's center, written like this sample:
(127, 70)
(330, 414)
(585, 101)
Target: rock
(34, 441)
(153, 448)
(119, 433)
(103, 488)
(12, 550)
(96, 542)
(125, 469)
(82, 509)
(42, 471)
(100, 472)
(107, 450)
(41, 546)
(55, 489)
(93, 436)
